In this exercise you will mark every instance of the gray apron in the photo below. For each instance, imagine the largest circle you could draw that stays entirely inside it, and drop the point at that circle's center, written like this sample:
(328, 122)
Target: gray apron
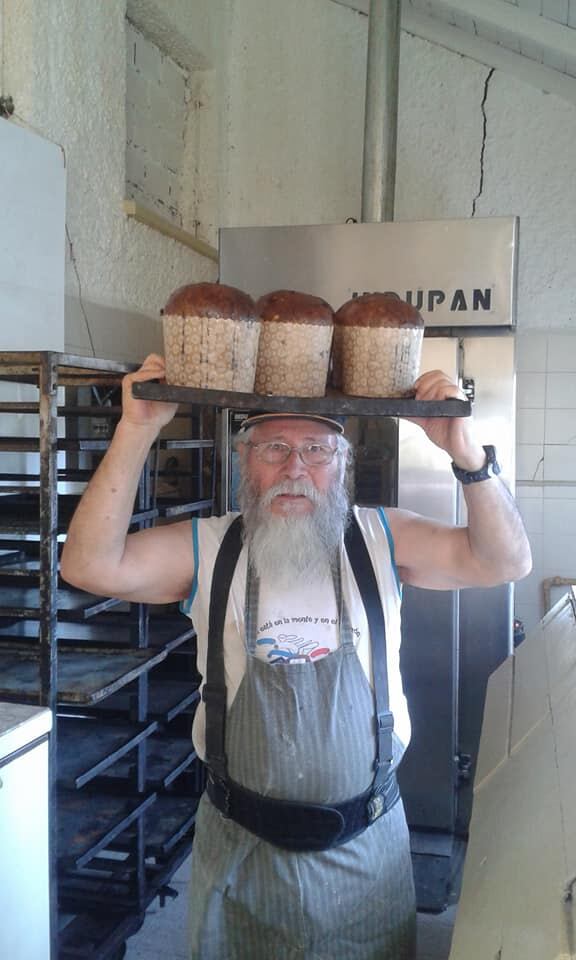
(304, 732)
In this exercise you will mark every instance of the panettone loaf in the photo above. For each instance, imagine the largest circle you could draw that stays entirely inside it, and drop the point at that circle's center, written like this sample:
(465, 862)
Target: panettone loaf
(210, 300)
(377, 346)
(295, 342)
(211, 337)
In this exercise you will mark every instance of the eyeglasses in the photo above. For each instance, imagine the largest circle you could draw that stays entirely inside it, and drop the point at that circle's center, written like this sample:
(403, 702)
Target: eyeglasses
(311, 454)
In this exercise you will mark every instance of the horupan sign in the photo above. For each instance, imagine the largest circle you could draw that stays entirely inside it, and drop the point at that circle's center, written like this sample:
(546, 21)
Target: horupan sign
(455, 300)
(457, 273)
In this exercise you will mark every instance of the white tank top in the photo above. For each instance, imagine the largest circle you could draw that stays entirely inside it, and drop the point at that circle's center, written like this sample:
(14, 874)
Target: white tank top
(297, 625)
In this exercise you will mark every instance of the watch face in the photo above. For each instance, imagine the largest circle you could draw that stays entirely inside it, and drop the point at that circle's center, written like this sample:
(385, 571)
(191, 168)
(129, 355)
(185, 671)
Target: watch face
(490, 469)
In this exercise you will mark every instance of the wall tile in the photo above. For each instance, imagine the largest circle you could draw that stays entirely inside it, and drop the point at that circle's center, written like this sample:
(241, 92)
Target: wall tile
(560, 426)
(529, 491)
(530, 426)
(561, 491)
(556, 10)
(559, 516)
(528, 589)
(559, 462)
(529, 465)
(559, 556)
(531, 351)
(562, 352)
(532, 513)
(531, 390)
(560, 390)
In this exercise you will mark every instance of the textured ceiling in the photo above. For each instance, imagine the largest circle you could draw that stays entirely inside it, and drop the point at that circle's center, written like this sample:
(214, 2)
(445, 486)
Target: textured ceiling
(534, 38)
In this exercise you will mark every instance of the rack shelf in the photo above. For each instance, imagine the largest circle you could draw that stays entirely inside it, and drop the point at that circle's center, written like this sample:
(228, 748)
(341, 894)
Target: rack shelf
(84, 677)
(167, 758)
(89, 748)
(167, 698)
(107, 630)
(334, 403)
(170, 820)
(90, 821)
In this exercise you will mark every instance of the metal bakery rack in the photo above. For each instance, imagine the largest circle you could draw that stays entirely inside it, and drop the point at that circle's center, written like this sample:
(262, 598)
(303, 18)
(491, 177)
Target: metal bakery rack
(120, 678)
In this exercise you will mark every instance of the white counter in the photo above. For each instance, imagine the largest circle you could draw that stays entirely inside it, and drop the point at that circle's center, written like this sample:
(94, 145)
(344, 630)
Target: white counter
(24, 856)
(20, 725)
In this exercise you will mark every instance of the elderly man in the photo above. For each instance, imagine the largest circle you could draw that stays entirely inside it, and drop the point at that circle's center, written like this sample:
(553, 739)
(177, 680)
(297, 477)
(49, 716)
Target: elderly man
(301, 846)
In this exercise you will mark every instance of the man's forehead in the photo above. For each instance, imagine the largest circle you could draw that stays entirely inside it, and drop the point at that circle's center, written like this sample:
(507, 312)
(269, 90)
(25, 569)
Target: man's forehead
(281, 429)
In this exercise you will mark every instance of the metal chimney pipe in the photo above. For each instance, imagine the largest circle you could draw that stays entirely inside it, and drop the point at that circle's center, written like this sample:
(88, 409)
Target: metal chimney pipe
(381, 111)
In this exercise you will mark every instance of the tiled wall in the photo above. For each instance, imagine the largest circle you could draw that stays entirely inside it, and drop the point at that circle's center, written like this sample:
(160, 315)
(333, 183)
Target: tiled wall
(546, 460)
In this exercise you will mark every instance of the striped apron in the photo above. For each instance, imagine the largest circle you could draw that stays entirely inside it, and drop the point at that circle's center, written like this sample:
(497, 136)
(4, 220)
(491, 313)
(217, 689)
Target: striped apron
(304, 732)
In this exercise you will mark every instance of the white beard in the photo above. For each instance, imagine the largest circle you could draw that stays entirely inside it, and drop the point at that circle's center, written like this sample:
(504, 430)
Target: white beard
(293, 549)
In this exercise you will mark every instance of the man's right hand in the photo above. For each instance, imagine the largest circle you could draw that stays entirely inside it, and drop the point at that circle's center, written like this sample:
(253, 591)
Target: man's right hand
(154, 414)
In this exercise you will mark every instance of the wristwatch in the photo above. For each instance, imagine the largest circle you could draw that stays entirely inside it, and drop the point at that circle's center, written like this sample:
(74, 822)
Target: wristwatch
(491, 468)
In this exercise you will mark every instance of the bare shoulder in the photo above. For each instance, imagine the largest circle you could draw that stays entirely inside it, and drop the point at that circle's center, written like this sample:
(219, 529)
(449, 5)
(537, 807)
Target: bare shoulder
(405, 523)
(426, 550)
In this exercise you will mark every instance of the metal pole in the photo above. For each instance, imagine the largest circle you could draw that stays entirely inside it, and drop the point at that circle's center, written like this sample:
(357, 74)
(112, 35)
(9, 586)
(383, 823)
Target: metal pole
(381, 111)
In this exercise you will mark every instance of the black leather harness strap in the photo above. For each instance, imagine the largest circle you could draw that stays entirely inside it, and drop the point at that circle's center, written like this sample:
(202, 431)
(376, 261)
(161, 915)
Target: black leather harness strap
(365, 577)
(290, 824)
(214, 690)
(297, 825)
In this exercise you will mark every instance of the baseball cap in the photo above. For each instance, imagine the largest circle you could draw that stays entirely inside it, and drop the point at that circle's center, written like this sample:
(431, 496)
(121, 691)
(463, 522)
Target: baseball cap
(333, 422)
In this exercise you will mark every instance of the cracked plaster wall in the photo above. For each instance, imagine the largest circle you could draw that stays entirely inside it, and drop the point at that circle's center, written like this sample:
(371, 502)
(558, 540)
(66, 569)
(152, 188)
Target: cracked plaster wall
(527, 170)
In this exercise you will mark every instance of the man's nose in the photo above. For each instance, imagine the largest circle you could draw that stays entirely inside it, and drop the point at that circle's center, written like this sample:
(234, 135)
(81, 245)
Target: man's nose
(293, 466)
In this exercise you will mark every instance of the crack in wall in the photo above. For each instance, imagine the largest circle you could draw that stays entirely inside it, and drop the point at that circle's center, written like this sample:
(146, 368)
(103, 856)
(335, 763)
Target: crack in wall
(540, 462)
(483, 148)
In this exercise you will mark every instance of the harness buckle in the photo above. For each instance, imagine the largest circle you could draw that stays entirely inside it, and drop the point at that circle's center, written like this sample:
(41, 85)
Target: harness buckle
(385, 721)
(214, 693)
(221, 794)
(375, 807)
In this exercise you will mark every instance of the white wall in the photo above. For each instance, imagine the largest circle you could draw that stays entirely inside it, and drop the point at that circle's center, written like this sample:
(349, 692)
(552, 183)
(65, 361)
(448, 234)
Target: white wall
(295, 113)
(64, 65)
(274, 135)
(32, 207)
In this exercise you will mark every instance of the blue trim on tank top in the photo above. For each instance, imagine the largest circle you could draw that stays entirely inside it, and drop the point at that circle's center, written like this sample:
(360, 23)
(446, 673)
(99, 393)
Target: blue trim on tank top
(390, 539)
(186, 605)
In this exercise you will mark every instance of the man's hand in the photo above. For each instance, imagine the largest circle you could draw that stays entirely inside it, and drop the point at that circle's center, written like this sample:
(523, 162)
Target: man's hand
(146, 413)
(455, 435)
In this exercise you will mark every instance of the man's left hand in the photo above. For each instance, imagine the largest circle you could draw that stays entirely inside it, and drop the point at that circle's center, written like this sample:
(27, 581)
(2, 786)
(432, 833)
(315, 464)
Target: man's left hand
(455, 435)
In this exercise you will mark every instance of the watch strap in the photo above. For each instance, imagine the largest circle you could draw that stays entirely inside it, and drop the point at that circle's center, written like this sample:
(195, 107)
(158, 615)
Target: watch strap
(490, 469)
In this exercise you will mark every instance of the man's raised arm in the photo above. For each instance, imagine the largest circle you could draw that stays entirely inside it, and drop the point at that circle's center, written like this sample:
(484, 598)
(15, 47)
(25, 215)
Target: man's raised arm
(153, 565)
(493, 548)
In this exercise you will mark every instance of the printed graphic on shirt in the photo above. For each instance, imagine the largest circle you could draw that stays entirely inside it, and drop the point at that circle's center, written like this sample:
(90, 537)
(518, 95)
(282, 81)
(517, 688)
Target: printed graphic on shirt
(291, 648)
(301, 635)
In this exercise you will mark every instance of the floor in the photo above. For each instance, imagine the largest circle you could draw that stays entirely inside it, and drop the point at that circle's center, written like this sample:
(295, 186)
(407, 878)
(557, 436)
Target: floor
(163, 934)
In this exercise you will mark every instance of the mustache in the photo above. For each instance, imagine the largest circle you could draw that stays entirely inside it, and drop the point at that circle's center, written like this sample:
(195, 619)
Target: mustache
(295, 488)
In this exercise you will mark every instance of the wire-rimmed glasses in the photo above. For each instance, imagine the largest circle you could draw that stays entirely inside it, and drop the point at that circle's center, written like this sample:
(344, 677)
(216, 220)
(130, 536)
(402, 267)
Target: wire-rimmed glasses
(312, 454)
